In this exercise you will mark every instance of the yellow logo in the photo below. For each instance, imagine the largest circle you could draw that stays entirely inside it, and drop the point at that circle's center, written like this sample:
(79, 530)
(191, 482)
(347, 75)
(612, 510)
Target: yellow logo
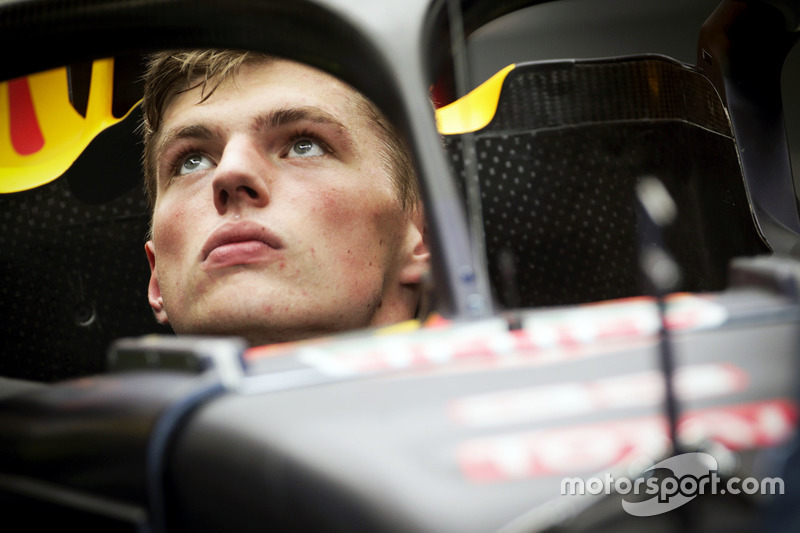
(41, 133)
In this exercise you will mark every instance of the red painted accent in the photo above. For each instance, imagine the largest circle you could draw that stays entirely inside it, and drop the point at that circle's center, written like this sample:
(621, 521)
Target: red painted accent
(26, 135)
(580, 449)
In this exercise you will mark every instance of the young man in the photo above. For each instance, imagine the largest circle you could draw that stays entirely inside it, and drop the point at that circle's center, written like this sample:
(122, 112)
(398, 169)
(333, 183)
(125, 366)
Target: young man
(284, 204)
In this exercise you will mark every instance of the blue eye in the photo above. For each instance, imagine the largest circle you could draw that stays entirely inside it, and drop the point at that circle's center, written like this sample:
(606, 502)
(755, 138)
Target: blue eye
(306, 148)
(193, 163)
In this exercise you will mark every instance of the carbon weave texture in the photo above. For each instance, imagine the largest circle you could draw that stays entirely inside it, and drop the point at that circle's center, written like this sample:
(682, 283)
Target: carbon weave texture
(74, 273)
(558, 167)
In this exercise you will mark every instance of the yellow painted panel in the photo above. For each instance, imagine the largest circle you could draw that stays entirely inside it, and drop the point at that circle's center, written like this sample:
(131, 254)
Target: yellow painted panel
(475, 110)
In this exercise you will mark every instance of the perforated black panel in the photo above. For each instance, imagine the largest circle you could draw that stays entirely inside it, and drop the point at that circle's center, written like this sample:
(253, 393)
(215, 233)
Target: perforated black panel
(558, 167)
(74, 274)
(557, 94)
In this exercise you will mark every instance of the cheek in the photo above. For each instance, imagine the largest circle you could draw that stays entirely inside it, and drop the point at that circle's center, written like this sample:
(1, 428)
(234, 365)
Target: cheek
(170, 223)
(176, 208)
(362, 231)
(351, 215)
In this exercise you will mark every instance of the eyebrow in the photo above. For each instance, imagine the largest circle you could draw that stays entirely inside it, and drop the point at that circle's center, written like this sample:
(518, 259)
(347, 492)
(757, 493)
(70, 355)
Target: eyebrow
(291, 115)
(195, 131)
(288, 116)
(270, 120)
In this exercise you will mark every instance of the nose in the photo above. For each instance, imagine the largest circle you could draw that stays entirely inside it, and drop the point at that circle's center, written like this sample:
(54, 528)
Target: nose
(240, 178)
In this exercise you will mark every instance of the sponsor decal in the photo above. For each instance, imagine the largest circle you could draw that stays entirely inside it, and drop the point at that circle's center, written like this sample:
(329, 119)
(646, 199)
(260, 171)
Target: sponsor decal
(546, 337)
(595, 447)
(547, 402)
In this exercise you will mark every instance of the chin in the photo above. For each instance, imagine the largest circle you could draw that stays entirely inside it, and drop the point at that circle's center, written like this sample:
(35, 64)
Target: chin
(257, 327)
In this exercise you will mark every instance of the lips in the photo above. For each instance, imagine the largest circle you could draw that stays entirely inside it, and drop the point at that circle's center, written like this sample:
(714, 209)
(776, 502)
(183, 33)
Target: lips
(240, 242)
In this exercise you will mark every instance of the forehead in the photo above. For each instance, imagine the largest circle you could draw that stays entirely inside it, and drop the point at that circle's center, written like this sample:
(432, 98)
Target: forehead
(269, 84)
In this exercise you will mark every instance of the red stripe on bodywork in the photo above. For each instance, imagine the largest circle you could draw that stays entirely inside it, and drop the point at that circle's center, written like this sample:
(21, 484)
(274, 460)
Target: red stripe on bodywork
(26, 135)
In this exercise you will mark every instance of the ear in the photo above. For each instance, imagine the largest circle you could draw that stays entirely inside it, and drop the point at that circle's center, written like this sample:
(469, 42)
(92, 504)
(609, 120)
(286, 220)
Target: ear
(416, 253)
(153, 290)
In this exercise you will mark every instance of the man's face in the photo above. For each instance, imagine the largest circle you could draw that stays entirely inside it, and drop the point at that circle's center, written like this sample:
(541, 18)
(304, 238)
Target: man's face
(275, 217)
